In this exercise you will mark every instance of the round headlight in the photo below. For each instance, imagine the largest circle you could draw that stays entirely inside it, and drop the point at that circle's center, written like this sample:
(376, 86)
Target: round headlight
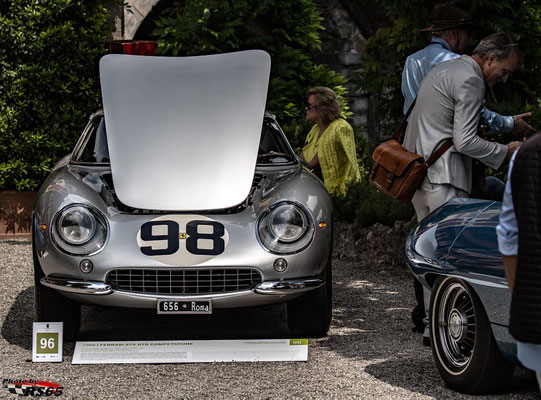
(76, 225)
(285, 228)
(79, 229)
(287, 223)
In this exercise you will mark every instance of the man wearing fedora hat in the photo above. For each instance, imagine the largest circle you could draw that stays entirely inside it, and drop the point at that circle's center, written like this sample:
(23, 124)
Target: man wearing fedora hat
(451, 26)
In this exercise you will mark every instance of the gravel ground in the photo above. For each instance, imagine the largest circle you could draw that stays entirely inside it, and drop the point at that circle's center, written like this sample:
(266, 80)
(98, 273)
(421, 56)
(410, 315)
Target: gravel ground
(370, 352)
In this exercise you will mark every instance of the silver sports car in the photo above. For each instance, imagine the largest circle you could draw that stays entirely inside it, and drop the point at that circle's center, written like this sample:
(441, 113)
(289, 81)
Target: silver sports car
(183, 196)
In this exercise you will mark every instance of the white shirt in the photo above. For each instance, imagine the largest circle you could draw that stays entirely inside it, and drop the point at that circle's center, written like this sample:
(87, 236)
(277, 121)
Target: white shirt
(507, 229)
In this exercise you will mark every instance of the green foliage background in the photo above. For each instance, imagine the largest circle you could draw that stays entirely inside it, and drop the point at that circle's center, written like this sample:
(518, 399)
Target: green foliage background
(49, 54)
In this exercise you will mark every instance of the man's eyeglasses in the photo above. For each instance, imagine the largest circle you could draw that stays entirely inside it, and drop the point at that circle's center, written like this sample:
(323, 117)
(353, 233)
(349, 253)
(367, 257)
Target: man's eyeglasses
(310, 106)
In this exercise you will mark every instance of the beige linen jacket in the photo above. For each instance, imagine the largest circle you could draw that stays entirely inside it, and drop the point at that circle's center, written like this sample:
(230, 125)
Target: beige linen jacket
(448, 105)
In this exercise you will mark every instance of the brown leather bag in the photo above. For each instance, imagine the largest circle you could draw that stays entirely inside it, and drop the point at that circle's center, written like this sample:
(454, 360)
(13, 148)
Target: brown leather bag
(398, 172)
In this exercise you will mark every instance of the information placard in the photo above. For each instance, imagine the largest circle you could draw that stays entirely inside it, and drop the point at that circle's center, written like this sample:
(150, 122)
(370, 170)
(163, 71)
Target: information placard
(187, 351)
(47, 342)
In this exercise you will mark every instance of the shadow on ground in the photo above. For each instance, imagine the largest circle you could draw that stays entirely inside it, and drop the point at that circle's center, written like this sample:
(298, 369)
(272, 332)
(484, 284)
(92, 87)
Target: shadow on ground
(112, 324)
(17, 326)
(108, 323)
(412, 374)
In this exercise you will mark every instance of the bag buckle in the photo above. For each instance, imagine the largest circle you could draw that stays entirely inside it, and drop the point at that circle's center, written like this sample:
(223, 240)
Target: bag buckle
(390, 179)
(391, 176)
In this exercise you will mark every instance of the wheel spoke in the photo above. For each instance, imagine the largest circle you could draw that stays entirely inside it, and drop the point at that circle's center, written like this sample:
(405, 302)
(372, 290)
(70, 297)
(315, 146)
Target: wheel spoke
(468, 347)
(463, 301)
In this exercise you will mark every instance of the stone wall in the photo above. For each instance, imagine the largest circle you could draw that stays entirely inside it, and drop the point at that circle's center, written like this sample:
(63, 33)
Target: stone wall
(126, 22)
(348, 24)
(341, 49)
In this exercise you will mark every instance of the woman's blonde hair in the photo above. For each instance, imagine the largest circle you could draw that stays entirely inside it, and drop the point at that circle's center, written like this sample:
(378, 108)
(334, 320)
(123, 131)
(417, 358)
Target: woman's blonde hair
(327, 102)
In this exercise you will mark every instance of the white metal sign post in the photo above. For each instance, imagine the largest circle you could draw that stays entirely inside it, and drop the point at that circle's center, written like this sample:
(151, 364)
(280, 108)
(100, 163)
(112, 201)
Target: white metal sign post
(47, 342)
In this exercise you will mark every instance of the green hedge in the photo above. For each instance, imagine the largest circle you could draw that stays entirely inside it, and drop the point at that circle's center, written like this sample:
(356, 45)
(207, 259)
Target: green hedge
(49, 82)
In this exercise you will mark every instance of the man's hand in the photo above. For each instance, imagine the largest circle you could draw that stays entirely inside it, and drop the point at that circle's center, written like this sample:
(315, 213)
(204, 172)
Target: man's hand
(511, 148)
(521, 127)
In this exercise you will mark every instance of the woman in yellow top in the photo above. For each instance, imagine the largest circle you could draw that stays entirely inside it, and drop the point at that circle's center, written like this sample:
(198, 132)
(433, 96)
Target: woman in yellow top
(330, 144)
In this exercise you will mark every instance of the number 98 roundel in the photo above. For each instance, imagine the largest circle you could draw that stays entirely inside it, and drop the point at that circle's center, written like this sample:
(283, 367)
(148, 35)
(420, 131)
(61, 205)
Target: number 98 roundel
(182, 239)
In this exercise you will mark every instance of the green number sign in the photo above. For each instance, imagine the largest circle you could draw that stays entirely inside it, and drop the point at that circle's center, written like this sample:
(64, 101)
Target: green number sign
(47, 343)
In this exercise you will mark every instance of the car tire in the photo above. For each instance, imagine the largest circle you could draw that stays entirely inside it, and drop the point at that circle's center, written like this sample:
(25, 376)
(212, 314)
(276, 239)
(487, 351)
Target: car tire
(50, 306)
(310, 315)
(463, 345)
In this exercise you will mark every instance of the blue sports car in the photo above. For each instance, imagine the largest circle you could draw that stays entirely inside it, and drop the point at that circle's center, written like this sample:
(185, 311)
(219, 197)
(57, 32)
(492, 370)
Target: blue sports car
(454, 252)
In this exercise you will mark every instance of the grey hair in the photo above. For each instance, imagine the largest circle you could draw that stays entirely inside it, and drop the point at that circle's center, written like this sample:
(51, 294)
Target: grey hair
(500, 44)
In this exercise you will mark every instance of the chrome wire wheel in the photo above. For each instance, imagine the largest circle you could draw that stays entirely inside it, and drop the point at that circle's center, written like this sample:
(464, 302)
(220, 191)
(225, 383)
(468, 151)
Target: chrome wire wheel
(463, 345)
(456, 327)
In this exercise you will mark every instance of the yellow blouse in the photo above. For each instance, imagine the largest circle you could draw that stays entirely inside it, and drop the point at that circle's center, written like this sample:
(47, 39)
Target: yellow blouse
(336, 152)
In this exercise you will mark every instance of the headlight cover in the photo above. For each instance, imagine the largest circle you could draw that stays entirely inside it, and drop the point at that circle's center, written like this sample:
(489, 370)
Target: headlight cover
(79, 230)
(285, 228)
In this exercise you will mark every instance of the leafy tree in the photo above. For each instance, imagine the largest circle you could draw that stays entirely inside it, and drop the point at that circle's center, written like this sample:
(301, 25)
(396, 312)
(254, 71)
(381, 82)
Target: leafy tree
(49, 54)
(286, 29)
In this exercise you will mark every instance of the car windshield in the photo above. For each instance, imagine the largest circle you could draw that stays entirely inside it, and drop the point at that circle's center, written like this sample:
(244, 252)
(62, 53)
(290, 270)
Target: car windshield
(95, 149)
(273, 147)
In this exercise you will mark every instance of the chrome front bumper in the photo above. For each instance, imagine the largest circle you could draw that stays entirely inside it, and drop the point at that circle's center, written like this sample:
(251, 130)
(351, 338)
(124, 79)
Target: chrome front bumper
(286, 287)
(80, 287)
(102, 288)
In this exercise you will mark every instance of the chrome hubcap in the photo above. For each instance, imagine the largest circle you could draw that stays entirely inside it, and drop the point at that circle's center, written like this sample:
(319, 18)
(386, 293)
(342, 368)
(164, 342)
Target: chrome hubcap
(455, 319)
(458, 325)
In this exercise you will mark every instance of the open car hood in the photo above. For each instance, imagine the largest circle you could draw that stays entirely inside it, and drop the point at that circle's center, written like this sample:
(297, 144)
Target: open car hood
(183, 132)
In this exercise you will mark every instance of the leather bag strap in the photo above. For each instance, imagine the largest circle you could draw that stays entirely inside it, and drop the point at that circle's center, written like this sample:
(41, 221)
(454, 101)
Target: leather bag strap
(439, 152)
(404, 123)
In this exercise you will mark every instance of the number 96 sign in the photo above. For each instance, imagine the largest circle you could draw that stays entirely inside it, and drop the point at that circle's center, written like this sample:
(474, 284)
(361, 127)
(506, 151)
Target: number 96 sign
(182, 239)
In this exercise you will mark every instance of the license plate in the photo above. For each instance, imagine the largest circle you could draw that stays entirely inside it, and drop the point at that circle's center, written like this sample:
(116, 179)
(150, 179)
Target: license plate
(166, 306)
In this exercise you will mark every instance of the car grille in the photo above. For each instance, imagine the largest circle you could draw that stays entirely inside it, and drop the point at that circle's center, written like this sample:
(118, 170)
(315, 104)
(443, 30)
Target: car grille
(184, 281)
